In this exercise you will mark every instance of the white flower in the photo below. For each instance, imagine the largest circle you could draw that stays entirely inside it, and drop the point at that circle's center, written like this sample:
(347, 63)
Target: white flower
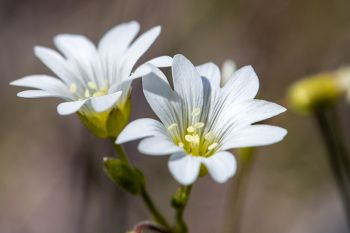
(90, 78)
(200, 120)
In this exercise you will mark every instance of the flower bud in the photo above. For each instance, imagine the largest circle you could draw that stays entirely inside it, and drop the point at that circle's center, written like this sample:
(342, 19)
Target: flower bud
(124, 175)
(313, 92)
(108, 123)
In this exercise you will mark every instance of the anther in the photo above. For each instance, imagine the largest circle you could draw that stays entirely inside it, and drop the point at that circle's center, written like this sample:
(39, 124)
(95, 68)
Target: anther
(213, 146)
(172, 126)
(189, 138)
(190, 129)
(199, 125)
(92, 85)
(87, 93)
(73, 88)
(196, 112)
(209, 136)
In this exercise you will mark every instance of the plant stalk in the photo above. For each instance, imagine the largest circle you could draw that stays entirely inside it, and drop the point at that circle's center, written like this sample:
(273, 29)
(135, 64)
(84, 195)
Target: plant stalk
(336, 158)
(180, 201)
(157, 216)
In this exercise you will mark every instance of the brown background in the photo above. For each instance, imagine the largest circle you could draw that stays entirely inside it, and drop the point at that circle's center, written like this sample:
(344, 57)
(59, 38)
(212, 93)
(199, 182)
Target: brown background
(51, 179)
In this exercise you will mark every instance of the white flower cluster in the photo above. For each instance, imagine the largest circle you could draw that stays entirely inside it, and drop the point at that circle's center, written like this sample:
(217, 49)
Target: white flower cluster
(203, 116)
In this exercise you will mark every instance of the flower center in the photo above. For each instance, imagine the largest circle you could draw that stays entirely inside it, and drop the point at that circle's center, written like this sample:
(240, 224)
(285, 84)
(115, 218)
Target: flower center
(195, 140)
(91, 90)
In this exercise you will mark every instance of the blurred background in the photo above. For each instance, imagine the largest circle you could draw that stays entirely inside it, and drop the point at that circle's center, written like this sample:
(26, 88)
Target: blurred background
(51, 177)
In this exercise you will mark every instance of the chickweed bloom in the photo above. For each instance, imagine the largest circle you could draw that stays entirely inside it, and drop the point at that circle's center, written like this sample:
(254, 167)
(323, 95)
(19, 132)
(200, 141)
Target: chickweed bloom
(199, 120)
(94, 80)
(320, 90)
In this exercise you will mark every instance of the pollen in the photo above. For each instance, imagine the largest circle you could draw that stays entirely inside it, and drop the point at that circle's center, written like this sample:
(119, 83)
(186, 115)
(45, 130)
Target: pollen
(73, 88)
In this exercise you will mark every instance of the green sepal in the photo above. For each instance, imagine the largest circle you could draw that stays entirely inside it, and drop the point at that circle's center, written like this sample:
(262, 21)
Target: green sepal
(124, 175)
(107, 124)
(179, 199)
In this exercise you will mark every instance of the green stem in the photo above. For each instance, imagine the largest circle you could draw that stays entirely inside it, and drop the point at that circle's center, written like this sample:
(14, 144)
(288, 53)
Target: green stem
(335, 158)
(339, 138)
(180, 201)
(120, 152)
(237, 194)
(157, 216)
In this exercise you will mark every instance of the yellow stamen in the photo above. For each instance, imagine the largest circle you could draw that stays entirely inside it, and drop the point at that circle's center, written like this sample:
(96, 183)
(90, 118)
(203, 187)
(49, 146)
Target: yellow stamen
(189, 138)
(172, 126)
(213, 146)
(180, 144)
(191, 129)
(196, 112)
(199, 125)
(209, 136)
(73, 88)
(101, 92)
(87, 93)
(92, 85)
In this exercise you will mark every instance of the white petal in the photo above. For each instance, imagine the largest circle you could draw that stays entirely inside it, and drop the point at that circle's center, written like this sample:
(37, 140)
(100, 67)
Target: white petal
(57, 64)
(141, 71)
(117, 39)
(74, 46)
(257, 110)
(162, 99)
(211, 72)
(82, 53)
(243, 85)
(187, 82)
(246, 113)
(221, 166)
(45, 83)
(36, 94)
(137, 49)
(184, 168)
(67, 108)
(105, 102)
(254, 135)
(158, 146)
(163, 61)
(141, 128)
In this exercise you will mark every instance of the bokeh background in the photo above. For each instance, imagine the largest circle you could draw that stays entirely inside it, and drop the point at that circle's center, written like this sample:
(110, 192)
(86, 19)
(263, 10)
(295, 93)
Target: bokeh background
(51, 177)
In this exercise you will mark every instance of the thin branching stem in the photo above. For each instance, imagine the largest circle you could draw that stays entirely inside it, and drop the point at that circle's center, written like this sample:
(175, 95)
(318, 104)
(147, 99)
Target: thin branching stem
(157, 216)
